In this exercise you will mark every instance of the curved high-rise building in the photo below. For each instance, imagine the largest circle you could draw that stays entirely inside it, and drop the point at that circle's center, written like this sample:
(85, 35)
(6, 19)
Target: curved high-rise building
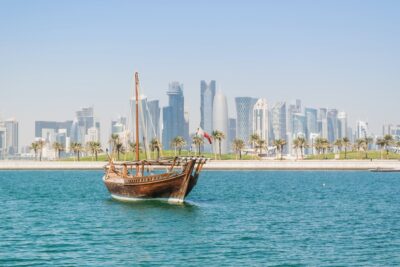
(220, 119)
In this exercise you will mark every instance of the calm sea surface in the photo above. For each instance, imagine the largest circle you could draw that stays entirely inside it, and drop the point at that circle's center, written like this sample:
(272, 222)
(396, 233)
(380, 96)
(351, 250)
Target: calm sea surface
(258, 218)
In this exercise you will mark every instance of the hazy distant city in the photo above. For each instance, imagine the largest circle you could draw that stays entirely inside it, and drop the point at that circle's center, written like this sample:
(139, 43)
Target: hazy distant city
(270, 121)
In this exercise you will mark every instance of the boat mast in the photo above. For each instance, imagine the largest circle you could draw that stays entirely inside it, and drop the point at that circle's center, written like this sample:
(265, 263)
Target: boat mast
(137, 114)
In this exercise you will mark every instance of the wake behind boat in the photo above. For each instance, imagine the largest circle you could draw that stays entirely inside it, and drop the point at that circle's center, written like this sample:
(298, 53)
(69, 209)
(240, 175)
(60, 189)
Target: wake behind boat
(128, 181)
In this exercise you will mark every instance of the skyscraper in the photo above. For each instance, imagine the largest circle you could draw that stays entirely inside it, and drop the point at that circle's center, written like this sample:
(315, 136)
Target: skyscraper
(41, 126)
(278, 117)
(232, 131)
(3, 144)
(261, 120)
(154, 119)
(84, 119)
(311, 121)
(173, 115)
(11, 126)
(149, 119)
(323, 122)
(292, 109)
(342, 125)
(299, 128)
(118, 125)
(332, 120)
(207, 93)
(244, 122)
(362, 130)
(220, 119)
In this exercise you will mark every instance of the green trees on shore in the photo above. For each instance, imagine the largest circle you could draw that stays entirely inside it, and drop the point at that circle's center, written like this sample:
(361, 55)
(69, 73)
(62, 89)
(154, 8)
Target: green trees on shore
(218, 136)
(280, 144)
(300, 143)
(320, 148)
(237, 146)
(178, 143)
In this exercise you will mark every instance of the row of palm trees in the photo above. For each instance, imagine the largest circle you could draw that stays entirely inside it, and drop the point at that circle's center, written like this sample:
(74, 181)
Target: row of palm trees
(321, 145)
(259, 144)
(93, 148)
(118, 148)
(155, 146)
(362, 144)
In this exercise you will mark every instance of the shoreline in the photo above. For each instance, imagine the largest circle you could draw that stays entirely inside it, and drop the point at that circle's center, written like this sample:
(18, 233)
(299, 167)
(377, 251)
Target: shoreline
(219, 165)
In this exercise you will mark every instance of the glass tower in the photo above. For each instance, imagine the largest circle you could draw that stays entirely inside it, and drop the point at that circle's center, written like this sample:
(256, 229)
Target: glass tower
(244, 122)
(173, 115)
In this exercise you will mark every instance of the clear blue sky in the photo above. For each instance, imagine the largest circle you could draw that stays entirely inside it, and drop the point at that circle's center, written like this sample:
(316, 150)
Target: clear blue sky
(57, 56)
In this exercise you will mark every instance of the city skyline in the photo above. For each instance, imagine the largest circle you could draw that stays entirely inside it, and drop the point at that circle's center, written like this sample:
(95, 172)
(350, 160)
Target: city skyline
(56, 59)
(329, 123)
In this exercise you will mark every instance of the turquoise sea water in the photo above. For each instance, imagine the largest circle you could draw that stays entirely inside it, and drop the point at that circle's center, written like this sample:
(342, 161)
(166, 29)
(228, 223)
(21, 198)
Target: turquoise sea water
(260, 218)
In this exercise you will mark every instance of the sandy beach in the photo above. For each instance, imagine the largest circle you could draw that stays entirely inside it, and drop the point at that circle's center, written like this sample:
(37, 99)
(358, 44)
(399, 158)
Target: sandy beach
(219, 165)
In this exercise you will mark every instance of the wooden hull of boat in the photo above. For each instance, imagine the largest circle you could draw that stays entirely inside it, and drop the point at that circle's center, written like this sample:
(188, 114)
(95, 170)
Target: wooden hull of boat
(171, 187)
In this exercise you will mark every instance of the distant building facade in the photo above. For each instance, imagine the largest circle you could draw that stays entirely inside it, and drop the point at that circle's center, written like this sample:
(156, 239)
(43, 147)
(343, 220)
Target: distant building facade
(84, 120)
(220, 120)
(311, 121)
(261, 119)
(232, 132)
(207, 94)
(278, 118)
(343, 128)
(244, 117)
(362, 130)
(173, 115)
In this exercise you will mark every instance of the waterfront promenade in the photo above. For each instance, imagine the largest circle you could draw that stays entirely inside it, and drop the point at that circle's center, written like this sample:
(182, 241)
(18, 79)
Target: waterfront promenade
(219, 165)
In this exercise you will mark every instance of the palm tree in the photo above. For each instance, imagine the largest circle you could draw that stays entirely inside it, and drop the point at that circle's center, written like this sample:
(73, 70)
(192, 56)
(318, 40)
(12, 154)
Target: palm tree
(388, 142)
(198, 141)
(260, 144)
(318, 145)
(155, 145)
(58, 147)
(132, 147)
(397, 146)
(339, 144)
(296, 146)
(322, 145)
(381, 143)
(35, 147)
(280, 144)
(303, 145)
(300, 143)
(253, 139)
(94, 148)
(359, 145)
(366, 142)
(325, 147)
(345, 143)
(114, 139)
(119, 148)
(178, 143)
(77, 149)
(41, 144)
(218, 135)
(237, 146)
